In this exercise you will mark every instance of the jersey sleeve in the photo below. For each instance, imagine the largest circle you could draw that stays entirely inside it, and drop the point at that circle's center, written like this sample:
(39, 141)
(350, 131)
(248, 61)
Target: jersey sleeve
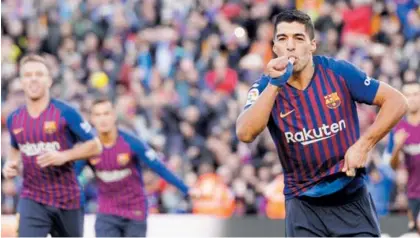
(255, 91)
(362, 88)
(13, 141)
(147, 155)
(77, 125)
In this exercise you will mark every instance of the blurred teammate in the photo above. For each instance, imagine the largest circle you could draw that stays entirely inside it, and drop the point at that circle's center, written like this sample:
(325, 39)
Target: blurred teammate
(406, 144)
(308, 104)
(42, 134)
(121, 197)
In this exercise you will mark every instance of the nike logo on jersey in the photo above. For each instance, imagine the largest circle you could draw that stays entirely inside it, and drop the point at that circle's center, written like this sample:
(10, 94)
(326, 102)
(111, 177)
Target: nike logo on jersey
(283, 115)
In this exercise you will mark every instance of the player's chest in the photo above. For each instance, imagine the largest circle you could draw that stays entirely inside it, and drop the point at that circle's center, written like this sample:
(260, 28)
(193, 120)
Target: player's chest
(311, 109)
(113, 159)
(412, 143)
(46, 133)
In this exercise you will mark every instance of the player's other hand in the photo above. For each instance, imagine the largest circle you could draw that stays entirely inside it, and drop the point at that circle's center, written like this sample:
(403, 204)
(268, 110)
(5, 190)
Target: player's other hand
(11, 169)
(51, 158)
(400, 137)
(355, 158)
(280, 69)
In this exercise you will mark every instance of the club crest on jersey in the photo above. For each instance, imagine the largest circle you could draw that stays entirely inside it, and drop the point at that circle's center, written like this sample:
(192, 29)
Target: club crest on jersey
(123, 159)
(94, 161)
(50, 127)
(332, 100)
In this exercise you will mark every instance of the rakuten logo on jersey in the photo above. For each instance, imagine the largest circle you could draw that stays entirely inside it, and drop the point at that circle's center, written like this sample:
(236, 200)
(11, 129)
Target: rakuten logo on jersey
(34, 149)
(412, 149)
(306, 137)
(109, 176)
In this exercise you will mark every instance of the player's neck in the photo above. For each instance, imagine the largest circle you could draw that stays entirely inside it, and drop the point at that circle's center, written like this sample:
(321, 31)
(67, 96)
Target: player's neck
(108, 139)
(302, 79)
(36, 107)
(413, 118)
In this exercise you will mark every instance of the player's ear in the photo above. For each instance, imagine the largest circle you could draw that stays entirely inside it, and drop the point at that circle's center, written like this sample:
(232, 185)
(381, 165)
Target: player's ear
(50, 82)
(313, 46)
(275, 50)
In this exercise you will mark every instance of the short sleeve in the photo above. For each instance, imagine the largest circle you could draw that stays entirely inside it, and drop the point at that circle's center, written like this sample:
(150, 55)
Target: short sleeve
(77, 125)
(13, 141)
(362, 88)
(255, 91)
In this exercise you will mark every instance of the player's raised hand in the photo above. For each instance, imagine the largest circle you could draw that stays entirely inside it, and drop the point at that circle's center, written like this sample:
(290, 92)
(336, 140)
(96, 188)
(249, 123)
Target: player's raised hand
(280, 69)
(354, 158)
(51, 158)
(11, 169)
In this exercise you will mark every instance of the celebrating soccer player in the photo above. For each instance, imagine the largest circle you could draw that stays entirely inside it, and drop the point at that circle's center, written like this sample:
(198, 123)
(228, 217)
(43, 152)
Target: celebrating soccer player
(308, 104)
(43, 133)
(406, 144)
(122, 201)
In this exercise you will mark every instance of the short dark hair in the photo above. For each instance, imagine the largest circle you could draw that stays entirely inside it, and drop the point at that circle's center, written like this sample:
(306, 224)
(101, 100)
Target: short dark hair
(294, 15)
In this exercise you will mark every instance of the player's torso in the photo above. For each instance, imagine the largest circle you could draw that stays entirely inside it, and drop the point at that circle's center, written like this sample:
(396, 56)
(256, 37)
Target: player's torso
(116, 168)
(119, 181)
(411, 151)
(305, 122)
(54, 185)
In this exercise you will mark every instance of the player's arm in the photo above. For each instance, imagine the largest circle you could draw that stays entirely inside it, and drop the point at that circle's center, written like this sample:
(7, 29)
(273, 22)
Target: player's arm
(393, 106)
(261, 97)
(147, 155)
(363, 89)
(11, 167)
(88, 145)
(252, 121)
(397, 141)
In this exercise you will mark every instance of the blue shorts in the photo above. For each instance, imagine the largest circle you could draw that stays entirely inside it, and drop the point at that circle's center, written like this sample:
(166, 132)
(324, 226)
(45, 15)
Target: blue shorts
(116, 226)
(39, 220)
(335, 215)
(414, 206)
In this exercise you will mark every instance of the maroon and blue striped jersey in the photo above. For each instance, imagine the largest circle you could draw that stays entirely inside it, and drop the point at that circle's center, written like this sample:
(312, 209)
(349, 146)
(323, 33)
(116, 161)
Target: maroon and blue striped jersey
(118, 171)
(313, 128)
(57, 128)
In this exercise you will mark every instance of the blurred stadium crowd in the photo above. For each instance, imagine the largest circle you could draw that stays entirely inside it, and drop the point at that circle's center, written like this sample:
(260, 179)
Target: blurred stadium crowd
(179, 72)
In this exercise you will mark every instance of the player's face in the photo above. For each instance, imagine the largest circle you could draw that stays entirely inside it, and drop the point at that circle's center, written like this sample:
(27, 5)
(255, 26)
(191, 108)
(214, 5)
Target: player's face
(292, 40)
(412, 93)
(36, 80)
(103, 117)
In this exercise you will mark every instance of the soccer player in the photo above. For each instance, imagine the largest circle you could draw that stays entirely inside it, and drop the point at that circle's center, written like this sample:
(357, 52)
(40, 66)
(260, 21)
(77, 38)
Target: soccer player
(122, 202)
(406, 144)
(308, 104)
(43, 133)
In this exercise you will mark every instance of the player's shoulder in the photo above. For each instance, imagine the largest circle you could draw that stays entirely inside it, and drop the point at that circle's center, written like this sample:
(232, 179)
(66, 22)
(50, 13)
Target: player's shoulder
(129, 137)
(401, 124)
(338, 66)
(14, 114)
(63, 106)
